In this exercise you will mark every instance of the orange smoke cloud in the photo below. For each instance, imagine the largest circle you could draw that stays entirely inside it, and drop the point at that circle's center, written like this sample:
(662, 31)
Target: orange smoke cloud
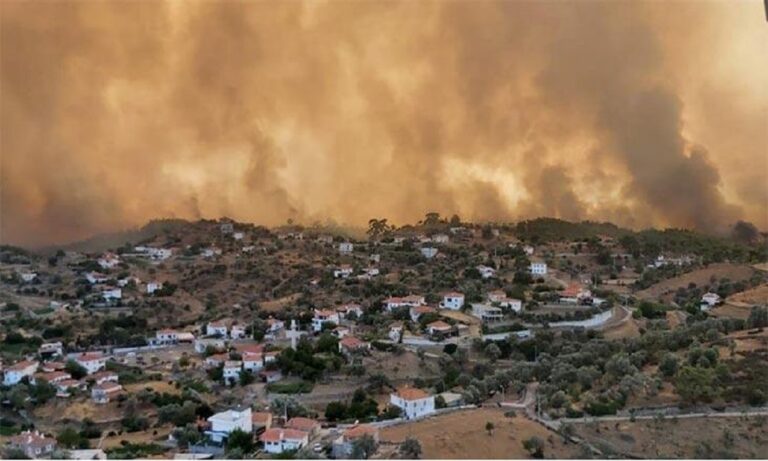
(114, 113)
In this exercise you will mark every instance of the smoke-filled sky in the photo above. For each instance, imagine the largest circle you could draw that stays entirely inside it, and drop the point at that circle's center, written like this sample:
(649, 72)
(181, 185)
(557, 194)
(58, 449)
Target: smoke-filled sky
(641, 113)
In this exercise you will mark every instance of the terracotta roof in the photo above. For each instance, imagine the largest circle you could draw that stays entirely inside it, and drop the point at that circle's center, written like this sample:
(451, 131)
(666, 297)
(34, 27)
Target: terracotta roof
(53, 376)
(277, 434)
(67, 383)
(423, 309)
(411, 393)
(217, 358)
(351, 342)
(253, 357)
(439, 325)
(89, 356)
(454, 294)
(302, 424)
(261, 417)
(359, 431)
(108, 386)
(249, 348)
(103, 374)
(348, 307)
(32, 439)
(324, 312)
(414, 298)
(53, 365)
(19, 366)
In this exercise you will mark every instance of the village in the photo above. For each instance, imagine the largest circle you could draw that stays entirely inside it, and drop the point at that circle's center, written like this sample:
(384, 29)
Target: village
(215, 338)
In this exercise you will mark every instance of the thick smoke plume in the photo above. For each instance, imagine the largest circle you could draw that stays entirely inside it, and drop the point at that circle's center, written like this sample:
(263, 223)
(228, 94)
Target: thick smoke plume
(642, 113)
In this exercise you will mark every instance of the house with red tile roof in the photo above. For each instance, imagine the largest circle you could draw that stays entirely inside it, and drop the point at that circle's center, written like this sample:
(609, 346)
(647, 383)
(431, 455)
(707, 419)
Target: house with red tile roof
(278, 440)
(106, 391)
(414, 402)
(261, 420)
(323, 316)
(350, 345)
(303, 424)
(343, 446)
(34, 444)
(91, 361)
(18, 371)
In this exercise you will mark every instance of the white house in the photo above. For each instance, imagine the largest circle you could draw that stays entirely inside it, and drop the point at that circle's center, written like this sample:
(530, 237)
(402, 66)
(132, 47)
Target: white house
(453, 301)
(111, 294)
(227, 227)
(415, 403)
(274, 325)
(710, 300)
(500, 297)
(226, 422)
(108, 261)
(346, 248)
(237, 331)
(395, 331)
(253, 362)
(369, 273)
(27, 277)
(344, 271)
(156, 254)
(202, 344)
(351, 308)
(538, 268)
(323, 316)
(277, 440)
(91, 361)
(238, 235)
(167, 336)
(232, 369)
(153, 287)
(486, 272)
(428, 252)
(408, 301)
(440, 238)
(17, 371)
(343, 447)
(34, 444)
(106, 391)
(439, 327)
(216, 329)
(50, 349)
(122, 283)
(96, 277)
(487, 313)
(210, 252)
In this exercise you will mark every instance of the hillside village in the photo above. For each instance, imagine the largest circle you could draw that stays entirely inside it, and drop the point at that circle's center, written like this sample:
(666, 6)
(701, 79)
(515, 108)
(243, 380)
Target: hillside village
(543, 338)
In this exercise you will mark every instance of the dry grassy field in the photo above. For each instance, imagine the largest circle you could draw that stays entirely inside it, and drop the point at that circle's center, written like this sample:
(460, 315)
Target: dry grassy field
(756, 295)
(682, 438)
(700, 277)
(462, 434)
